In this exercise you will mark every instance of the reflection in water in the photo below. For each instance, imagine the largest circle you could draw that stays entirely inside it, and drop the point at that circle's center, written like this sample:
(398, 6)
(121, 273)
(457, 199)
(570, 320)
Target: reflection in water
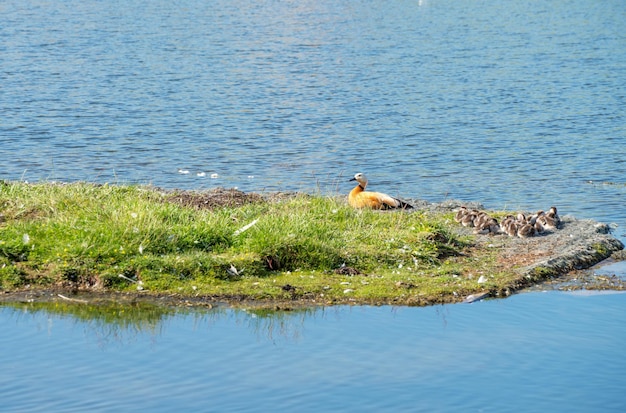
(122, 322)
(108, 321)
(270, 324)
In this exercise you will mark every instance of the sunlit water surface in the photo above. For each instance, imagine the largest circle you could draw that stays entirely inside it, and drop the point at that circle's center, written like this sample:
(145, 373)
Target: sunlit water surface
(532, 352)
(516, 104)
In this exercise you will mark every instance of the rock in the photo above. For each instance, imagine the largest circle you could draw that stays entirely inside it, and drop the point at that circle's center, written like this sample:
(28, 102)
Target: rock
(475, 297)
(580, 244)
(602, 228)
(619, 255)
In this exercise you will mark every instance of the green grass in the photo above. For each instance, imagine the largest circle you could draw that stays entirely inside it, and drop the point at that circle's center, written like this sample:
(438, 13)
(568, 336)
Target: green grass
(100, 236)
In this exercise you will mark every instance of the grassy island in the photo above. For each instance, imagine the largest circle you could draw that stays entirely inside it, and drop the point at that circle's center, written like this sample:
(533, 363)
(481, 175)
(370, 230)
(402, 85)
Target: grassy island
(227, 245)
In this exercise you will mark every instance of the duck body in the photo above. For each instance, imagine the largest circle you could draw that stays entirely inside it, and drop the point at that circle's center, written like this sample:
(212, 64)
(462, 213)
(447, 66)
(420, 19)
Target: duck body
(360, 198)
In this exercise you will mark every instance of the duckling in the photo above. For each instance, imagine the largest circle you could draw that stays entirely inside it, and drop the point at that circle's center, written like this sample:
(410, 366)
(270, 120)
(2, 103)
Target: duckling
(553, 212)
(481, 219)
(536, 215)
(484, 223)
(526, 230)
(534, 221)
(359, 198)
(468, 219)
(458, 217)
(549, 222)
(507, 219)
(487, 226)
(495, 227)
(509, 226)
(551, 219)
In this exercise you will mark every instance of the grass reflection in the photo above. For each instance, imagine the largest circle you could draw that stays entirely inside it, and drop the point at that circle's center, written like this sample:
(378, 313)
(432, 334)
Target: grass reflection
(271, 324)
(112, 321)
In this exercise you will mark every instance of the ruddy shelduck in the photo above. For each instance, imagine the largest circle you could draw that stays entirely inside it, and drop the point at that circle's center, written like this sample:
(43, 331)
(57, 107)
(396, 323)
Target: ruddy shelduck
(360, 198)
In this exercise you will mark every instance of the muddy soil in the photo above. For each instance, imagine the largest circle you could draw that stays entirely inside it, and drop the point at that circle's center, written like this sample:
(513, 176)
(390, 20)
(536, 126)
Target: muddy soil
(215, 198)
(222, 197)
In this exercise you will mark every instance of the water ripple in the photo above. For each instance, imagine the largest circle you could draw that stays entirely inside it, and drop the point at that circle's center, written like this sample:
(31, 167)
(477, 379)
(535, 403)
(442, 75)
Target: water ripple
(494, 103)
(359, 358)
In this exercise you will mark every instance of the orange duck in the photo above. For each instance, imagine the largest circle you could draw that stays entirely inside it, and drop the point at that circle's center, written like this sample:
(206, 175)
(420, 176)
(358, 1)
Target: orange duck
(360, 198)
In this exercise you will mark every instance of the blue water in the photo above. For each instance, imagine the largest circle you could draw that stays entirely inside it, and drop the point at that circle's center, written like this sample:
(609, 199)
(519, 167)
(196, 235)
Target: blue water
(516, 104)
(512, 103)
(491, 356)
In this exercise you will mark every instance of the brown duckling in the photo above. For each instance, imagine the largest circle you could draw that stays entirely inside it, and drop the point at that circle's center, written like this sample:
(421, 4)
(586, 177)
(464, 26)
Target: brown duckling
(551, 219)
(458, 217)
(509, 225)
(534, 221)
(487, 226)
(468, 219)
(526, 230)
(481, 219)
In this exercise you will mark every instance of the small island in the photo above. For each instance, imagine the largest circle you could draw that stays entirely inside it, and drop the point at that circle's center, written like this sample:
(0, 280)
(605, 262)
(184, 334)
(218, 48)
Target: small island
(74, 240)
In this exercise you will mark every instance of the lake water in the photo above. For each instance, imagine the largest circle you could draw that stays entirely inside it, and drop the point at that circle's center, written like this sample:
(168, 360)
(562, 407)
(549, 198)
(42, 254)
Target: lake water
(533, 352)
(516, 104)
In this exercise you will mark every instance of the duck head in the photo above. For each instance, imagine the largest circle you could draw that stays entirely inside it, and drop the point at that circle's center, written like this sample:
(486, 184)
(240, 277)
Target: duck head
(361, 179)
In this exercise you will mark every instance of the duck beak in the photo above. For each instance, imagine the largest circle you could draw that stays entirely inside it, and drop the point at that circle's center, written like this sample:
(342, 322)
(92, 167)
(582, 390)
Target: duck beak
(353, 179)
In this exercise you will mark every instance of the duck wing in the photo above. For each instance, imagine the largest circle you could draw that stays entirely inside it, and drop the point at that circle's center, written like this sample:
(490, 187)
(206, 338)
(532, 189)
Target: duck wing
(379, 200)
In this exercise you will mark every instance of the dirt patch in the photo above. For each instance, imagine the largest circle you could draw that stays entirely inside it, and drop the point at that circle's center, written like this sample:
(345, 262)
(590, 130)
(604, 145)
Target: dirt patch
(223, 198)
(345, 270)
(212, 199)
